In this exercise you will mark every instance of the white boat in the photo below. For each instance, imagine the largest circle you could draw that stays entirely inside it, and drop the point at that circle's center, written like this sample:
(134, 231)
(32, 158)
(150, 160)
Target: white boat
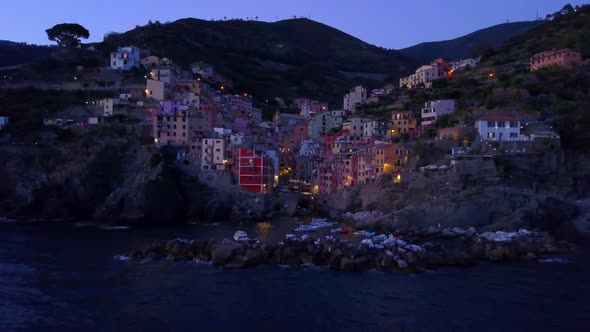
(241, 236)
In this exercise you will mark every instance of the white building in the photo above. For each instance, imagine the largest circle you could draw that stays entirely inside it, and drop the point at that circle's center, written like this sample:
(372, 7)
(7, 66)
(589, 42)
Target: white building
(355, 127)
(163, 74)
(213, 152)
(434, 109)
(356, 96)
(375, 128)
(125, 58)
(424, 74)
(107, 105)
(499, 128)
(463, 64)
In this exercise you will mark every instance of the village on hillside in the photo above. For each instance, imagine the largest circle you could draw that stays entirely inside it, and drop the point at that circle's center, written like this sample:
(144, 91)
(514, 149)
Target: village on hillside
(219, 135)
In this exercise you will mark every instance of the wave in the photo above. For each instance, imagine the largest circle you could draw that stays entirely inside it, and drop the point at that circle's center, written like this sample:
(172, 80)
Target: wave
(114, 228)
(121, 258)
(4, 219)
(554, 260)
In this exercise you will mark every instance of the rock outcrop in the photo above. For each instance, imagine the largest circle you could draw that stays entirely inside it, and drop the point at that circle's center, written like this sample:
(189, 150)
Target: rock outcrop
(428, 248)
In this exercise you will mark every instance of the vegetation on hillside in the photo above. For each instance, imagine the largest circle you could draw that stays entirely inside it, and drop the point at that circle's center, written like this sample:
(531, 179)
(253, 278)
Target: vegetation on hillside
(12, 54)
(571, 30)
(287, 58)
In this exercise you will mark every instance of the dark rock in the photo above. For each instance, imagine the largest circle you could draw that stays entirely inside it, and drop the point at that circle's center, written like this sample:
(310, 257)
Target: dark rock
(411, 257)
(457, 257)
(387, 262)
(335, 259)
(346, 264)
(225, 252)
(254, 257)
(361, 263)
(238, 262)
(290, 257)
(401, 264)
(530, 256)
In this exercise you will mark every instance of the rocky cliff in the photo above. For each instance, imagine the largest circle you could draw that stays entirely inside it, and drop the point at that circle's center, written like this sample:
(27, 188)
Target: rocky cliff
(114, 180)
(507, 193)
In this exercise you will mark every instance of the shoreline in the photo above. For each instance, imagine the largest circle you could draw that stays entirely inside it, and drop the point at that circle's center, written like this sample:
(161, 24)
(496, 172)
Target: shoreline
(458, 247)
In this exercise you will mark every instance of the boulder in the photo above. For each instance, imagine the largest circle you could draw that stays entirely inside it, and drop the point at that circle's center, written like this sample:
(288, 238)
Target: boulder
(225, 251)
(401, 264)
(346, 264)
(335, 259)
(387, 262)
(361, 263)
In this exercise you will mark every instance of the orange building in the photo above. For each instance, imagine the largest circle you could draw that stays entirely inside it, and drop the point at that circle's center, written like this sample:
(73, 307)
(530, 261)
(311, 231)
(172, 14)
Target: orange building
(560, 58)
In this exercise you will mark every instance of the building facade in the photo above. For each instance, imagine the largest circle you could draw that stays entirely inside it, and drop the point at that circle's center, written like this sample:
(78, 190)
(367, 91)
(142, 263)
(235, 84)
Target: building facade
(499, 128)
(254, 170)
(565, 58)
(356, 96)
(125, 58)
(434, 109)
(402, 122)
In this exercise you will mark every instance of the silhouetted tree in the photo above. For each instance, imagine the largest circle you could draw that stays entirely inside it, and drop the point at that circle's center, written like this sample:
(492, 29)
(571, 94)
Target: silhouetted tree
(67, 34)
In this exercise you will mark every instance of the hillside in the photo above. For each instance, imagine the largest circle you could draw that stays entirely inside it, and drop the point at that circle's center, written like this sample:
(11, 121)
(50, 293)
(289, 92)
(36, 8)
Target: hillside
(571, 30)
(12, 53)
(462, 47)
(285, 58)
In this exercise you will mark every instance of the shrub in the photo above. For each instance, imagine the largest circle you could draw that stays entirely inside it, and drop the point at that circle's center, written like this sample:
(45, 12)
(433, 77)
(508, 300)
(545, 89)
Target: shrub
(155, 160)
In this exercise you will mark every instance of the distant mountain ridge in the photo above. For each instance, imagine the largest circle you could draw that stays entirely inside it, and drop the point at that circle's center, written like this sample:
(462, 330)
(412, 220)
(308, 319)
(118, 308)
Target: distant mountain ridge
(285, 58)
(458, 48)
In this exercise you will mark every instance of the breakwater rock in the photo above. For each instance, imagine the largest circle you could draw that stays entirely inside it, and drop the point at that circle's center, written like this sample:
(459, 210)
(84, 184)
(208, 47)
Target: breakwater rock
(431, 247)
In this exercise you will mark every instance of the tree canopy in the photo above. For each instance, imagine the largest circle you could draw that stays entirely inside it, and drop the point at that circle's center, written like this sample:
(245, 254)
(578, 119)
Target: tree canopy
(67, 34)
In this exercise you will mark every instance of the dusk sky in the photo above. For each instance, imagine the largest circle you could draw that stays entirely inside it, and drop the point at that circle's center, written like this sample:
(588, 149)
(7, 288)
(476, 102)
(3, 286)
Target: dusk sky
(388, 23)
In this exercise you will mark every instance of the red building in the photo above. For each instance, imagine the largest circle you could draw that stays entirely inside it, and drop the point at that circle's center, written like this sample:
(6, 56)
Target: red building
(254, 171)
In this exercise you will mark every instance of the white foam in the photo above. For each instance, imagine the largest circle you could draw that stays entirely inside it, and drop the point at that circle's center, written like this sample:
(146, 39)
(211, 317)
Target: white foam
(554, 260)
(121, 258)
(114, 228)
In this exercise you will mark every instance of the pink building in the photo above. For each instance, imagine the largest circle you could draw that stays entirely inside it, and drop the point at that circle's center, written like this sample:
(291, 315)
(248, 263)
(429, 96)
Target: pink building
(561, 58)
(443, 67)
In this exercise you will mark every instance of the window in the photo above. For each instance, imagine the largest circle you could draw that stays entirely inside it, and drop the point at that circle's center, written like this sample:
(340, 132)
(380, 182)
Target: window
(513, 135)
(513, 124)
(491, 135)
(491, 124)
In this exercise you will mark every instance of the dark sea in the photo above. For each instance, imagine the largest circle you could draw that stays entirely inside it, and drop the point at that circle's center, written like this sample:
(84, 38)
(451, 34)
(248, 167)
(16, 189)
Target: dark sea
(63, 278)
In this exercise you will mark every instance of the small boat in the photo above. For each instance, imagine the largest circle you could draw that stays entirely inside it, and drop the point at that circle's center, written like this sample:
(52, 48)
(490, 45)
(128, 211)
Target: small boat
(364, 233)
(241, 236)
(344, 231)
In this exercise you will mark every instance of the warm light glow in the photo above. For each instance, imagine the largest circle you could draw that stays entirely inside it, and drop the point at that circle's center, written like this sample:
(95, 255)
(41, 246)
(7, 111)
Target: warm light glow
(156, 140)
(491, 75)
(222, 87)
(245, 94)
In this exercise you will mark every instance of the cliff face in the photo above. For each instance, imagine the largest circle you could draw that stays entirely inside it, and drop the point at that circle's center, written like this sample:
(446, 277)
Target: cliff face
(513, 192)
(113, 181)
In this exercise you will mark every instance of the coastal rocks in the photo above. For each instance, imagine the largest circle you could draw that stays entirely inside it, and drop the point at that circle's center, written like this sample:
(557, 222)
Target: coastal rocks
(225, 251)
(383, 252)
